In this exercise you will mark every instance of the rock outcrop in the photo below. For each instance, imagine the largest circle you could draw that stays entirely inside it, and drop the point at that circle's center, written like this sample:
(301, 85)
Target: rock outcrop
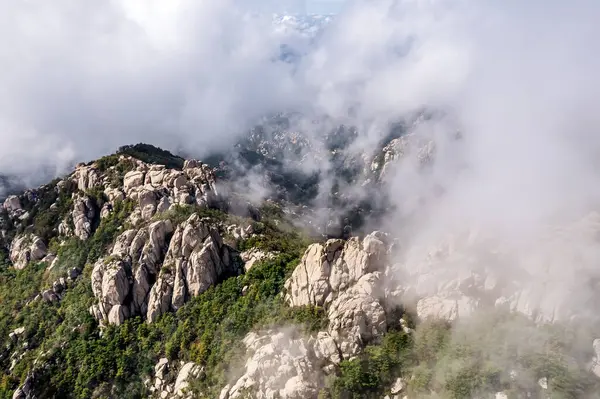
(122, 281)
(410, 147)
(86, 177)
(357, 316)
(26, 248)
(254, 256)
(155, 188)
(279, 365)
(195, 260)
(12, 204)
(330, 268)
(148, 275)
(84, 211)
(110, 284)
(27, 389)
(173, 381)
(343, 277)
(548, 278)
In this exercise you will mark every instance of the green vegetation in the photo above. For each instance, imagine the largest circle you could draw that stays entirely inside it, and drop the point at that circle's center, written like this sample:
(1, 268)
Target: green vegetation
(42, 217)
(80, 363)
(62, 343)
(180, 213)
(376, 369)
(274, 233)
(115, 168)
(151, 154)
(208, 330)
(471, 360)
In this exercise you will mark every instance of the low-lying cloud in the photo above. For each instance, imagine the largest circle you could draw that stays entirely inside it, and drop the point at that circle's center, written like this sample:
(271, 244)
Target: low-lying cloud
(81, 78)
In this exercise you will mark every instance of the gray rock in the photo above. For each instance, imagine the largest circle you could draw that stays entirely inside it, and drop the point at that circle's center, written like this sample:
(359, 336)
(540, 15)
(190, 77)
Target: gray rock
(111, 287)
(163, 205)
(50, 296)
(86, 177)
(188, 371)
(59, 286)
(83, 215)
(254, 256)
(26, 248)
(279, 365)
(132, 180)
(25, 391)
(343, 277)
(161, 295)
(114, 283)
(356, 317)
(12, 203)
(73, 273)
(333, 267)
(162, 368)
(449, 309)
(196, 258)
(398, 386)
(147, 201)
(118, 314)
(114, 194)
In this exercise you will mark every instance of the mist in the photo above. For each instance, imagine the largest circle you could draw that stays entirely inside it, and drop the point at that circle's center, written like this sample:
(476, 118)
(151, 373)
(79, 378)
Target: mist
(504, 217)
(518, 80)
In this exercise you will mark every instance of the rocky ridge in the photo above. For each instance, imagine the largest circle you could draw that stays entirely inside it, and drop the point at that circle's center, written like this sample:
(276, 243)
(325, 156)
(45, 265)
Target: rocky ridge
(163, 253)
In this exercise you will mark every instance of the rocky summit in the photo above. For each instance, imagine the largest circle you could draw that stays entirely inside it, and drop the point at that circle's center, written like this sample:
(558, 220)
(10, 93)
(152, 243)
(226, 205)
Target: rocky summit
(146, 275)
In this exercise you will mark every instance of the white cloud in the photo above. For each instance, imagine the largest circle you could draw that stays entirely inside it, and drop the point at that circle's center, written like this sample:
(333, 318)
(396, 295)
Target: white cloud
(93, 76)
(81, 78)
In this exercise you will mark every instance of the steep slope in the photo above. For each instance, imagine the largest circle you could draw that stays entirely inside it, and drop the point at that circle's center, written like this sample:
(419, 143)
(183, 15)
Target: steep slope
(143, 274)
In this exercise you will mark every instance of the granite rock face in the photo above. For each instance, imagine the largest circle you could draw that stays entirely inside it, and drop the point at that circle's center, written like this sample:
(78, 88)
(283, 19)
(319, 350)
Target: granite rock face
(156, 269)
(27, 248)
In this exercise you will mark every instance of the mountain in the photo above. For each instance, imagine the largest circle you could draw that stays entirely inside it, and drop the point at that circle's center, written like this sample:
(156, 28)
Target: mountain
(145, 274)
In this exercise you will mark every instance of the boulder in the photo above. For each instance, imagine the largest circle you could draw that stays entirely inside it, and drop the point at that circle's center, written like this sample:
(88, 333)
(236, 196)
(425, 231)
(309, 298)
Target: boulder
(12, 203)
(83, 216)
(26, 391)
(64, 229)
(156, 175)
(398, 386)
(114, 194)
(195, 260)
(26, 248)
(329, 268)
(132, 180)
(86, 177)
(280, 364)
(254, 256)
(161, 368)
(448, 309)
(50, 296)
(188, 371)
(118, 314)
(147, 201)
(111, 287)
(163, 205)
(122, 283)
